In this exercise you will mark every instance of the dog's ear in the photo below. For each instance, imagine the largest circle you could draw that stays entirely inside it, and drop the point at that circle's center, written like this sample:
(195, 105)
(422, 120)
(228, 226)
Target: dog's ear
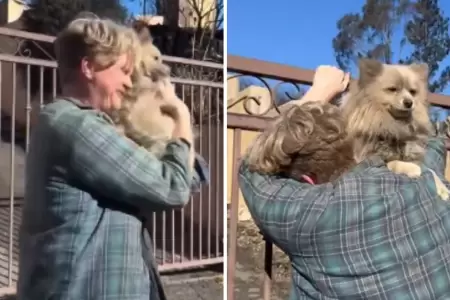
(369, 69)
(142, 31)
(421, 70)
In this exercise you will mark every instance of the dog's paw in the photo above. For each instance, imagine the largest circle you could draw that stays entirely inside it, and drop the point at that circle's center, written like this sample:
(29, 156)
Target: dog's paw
(441, 189)
(407, 168)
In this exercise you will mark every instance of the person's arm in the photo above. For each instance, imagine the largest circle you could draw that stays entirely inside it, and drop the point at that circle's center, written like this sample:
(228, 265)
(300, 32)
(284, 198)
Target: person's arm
(436, 153)
(281, 206)
(116, 168)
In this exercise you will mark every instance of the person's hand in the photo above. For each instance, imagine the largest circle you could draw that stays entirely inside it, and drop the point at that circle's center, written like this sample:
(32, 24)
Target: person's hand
(330, 78)
(328, 82)
(181, 115)
(173, 105)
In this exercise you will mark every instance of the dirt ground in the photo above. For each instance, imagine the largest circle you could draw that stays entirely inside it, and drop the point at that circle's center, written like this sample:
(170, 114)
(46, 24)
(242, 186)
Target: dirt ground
(250, 266)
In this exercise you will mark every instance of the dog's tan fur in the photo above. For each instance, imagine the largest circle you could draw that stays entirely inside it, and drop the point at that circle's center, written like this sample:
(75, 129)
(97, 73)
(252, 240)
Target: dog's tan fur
(378, 120)
(386, 111)
(145, 116)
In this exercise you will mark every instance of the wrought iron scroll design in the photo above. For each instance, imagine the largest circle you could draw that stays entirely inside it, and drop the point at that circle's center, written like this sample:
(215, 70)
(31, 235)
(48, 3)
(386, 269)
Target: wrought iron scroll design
(273, 90)
(23, 47)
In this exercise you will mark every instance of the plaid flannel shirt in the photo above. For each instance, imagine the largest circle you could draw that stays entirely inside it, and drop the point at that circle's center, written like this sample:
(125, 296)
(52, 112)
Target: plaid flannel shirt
(81, 237)
(371, 234)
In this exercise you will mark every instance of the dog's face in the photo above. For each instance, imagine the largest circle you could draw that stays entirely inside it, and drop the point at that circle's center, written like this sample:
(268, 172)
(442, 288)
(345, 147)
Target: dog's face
(400, 89)
(151, 54)
(152, 64)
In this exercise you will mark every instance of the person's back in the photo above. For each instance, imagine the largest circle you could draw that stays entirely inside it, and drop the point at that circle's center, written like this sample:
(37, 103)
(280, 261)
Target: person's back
(371, 234)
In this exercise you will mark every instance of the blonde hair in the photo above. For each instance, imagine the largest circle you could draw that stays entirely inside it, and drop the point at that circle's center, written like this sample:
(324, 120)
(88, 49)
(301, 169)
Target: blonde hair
(302, 129)
(101, 41)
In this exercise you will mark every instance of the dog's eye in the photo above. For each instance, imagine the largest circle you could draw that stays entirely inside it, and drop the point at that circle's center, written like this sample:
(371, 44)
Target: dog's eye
(156, 58)
(413, 92)
(392, 89)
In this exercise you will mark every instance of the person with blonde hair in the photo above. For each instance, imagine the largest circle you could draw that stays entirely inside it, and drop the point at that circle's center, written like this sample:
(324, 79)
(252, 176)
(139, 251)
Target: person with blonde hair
(81, 236)
(369, 234)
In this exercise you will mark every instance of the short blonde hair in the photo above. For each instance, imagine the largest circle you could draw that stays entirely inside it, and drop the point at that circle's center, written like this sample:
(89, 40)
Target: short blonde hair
(102, 41)
(300, 130)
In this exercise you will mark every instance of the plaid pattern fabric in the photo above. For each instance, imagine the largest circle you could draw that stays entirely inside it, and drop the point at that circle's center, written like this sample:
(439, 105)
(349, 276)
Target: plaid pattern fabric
(369, 235)
(81, 237)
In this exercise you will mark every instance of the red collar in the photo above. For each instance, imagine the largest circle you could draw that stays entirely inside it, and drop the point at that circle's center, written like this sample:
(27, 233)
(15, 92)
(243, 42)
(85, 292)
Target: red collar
(309, 179)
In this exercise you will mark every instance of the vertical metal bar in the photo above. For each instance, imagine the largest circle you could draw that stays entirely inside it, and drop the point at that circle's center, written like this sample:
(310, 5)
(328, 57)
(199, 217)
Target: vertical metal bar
(55, 82)
(12, 173)
(164, 236)
(209, 110)
(217, 166)
(1, 92)
(28, 109)
(234, 213)
(200, 203)
(182, 210)
(41, 87)
(155, 239)
(268, 254)
(191, 237)
(173, 236)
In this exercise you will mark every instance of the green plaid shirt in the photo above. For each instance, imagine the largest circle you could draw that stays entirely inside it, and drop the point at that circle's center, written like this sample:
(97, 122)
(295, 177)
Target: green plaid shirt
(369, 235)
(81, 237)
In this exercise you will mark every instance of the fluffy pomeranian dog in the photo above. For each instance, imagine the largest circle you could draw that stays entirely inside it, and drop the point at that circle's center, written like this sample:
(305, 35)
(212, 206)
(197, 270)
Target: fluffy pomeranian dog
(384, 113)
(145, 117)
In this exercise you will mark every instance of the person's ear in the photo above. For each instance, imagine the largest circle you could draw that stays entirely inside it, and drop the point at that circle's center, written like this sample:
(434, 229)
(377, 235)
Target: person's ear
(87, 69)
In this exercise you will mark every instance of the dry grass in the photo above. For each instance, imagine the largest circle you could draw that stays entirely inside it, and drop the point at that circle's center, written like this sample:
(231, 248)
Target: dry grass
(250, 256)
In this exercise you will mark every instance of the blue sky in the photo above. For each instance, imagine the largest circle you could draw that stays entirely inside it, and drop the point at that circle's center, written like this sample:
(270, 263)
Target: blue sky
(298, 33)
(293, 32)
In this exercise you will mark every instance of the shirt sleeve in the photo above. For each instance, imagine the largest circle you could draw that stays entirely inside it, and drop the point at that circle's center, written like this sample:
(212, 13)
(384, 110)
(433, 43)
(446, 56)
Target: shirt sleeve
(278, 205)
(116, 168)
(436, 155)
(201, 173)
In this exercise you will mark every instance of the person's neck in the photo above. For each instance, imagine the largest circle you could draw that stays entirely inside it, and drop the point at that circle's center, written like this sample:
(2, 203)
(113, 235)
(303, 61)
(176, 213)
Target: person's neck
(75, 92)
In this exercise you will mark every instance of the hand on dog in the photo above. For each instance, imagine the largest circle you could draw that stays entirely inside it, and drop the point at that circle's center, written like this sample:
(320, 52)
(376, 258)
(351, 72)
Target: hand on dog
(331, 78)
(174, 106)
(328, 82)
(179, 111)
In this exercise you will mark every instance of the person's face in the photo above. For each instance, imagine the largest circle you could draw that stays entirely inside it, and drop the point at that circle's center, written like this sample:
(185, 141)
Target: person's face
(107, 85)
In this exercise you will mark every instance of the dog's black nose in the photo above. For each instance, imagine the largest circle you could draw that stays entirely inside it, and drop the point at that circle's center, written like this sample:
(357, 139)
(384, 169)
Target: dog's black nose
(407, 103)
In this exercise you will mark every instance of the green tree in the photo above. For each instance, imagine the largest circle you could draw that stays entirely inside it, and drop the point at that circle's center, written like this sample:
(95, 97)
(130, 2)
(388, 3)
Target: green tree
(374, 32)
